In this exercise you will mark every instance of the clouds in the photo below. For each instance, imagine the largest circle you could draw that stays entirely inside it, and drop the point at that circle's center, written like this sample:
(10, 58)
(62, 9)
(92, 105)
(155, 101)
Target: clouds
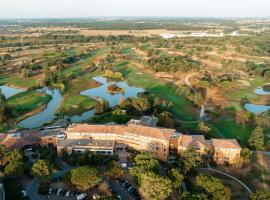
(92, 8)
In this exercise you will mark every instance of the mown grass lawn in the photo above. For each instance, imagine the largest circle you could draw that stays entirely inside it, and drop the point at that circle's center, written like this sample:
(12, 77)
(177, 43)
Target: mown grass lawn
(18, 81)
(76, 69)
(28, 101)
(230, 129)
(182, 108)
(74, 103)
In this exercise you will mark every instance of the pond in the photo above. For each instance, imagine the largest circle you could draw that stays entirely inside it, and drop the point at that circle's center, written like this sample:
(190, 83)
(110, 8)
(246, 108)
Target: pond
(113, 99)
(10, 91)
(261, 91)
(256, 109)
(48, 114)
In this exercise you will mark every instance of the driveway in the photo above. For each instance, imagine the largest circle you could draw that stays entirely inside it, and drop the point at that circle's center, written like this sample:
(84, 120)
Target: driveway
(32, 187)
(118, 190)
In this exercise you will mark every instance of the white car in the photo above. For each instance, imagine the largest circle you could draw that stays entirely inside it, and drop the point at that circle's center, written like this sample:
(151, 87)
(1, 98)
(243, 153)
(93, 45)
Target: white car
(81, 196)
(58, 192)
(67, 194)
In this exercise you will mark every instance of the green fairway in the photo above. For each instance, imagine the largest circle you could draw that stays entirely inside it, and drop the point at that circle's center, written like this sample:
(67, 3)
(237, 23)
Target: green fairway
(182, 108)
(230, 129)
(28, 101)
(73, 105)
(73, 102)
(18, 81)
(77, 69)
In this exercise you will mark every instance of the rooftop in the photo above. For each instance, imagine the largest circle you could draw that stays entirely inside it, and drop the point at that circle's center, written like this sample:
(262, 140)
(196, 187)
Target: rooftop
(196, 141)
(225, 143)
(154, 132)
(86, 143)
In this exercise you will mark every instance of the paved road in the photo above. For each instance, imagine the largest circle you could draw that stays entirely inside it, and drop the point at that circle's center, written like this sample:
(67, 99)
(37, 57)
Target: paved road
(120, 191)
(209, 168)
(230, 176)
(31, 188)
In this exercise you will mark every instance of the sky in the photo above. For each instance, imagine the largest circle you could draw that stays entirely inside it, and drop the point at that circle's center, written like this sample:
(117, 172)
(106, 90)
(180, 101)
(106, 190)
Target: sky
(99, 8)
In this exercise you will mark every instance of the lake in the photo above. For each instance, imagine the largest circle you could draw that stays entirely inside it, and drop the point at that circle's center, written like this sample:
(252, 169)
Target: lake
(48, 114)
(113, 99)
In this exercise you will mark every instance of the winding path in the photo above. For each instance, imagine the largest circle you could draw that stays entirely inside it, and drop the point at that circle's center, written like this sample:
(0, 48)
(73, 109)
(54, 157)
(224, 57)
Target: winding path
(230, 176)
(202, 108)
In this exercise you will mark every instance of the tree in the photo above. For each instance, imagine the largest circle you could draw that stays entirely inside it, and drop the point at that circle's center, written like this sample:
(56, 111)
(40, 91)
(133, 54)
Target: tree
(154, 187)
(3, 152)
(5, 113)
(114, 170)
(176, 178)
(242, 117)
(41, 169)
(102, 106)
(213, 187)
(165, 119)
(256, 140)
(84, 177)
(260, 195)
(2, 96)
(14, 155)
(245, 157)
(189, 160)
(144, 162)
(14, 168)
(203, 128)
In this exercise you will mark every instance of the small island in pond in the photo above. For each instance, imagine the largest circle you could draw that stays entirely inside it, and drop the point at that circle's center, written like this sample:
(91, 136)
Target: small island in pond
(266, 87)
(114, 89)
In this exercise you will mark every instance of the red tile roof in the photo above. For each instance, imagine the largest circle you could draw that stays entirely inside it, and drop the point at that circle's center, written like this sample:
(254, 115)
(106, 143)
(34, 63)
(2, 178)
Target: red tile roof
(154, 132)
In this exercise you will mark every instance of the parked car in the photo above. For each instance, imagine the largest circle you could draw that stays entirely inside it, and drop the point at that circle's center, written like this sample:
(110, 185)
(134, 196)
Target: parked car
(51, 190)
(67, 194)
(81, 196)
(58, 192)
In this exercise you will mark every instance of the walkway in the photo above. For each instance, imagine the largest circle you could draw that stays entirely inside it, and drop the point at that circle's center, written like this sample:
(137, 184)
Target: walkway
(202, 108)
(230, 176)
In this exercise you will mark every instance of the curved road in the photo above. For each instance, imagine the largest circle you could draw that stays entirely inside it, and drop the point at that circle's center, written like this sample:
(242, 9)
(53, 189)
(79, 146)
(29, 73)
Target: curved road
(230, 176)
(32, 187)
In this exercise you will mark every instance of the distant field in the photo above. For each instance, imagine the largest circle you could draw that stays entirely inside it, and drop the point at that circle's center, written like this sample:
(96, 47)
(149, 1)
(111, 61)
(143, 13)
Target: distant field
(18, 81)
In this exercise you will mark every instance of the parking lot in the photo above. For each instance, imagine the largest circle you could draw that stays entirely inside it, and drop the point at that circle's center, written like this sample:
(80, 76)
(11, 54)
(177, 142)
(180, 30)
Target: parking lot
(61, 194)
(128, 188)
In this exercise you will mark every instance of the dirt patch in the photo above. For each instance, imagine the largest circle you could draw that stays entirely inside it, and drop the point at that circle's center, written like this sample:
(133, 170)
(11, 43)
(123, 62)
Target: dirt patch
(244, 82)
(214, 96)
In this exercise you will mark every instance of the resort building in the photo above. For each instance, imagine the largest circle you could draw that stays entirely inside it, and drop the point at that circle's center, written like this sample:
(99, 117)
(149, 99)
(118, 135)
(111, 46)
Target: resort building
(104, 147)
(142, 135)
(192, 141)
(225, 151)
(141, 138)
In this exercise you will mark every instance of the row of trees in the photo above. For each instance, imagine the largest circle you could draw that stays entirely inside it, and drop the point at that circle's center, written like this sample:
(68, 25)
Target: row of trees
(172, 63)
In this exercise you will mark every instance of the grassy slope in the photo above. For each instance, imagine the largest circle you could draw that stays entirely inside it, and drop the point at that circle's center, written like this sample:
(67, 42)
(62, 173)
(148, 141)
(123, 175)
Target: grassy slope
(28, 101)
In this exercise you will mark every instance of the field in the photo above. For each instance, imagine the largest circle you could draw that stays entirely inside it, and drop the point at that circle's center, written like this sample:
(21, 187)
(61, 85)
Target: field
(225, 70)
